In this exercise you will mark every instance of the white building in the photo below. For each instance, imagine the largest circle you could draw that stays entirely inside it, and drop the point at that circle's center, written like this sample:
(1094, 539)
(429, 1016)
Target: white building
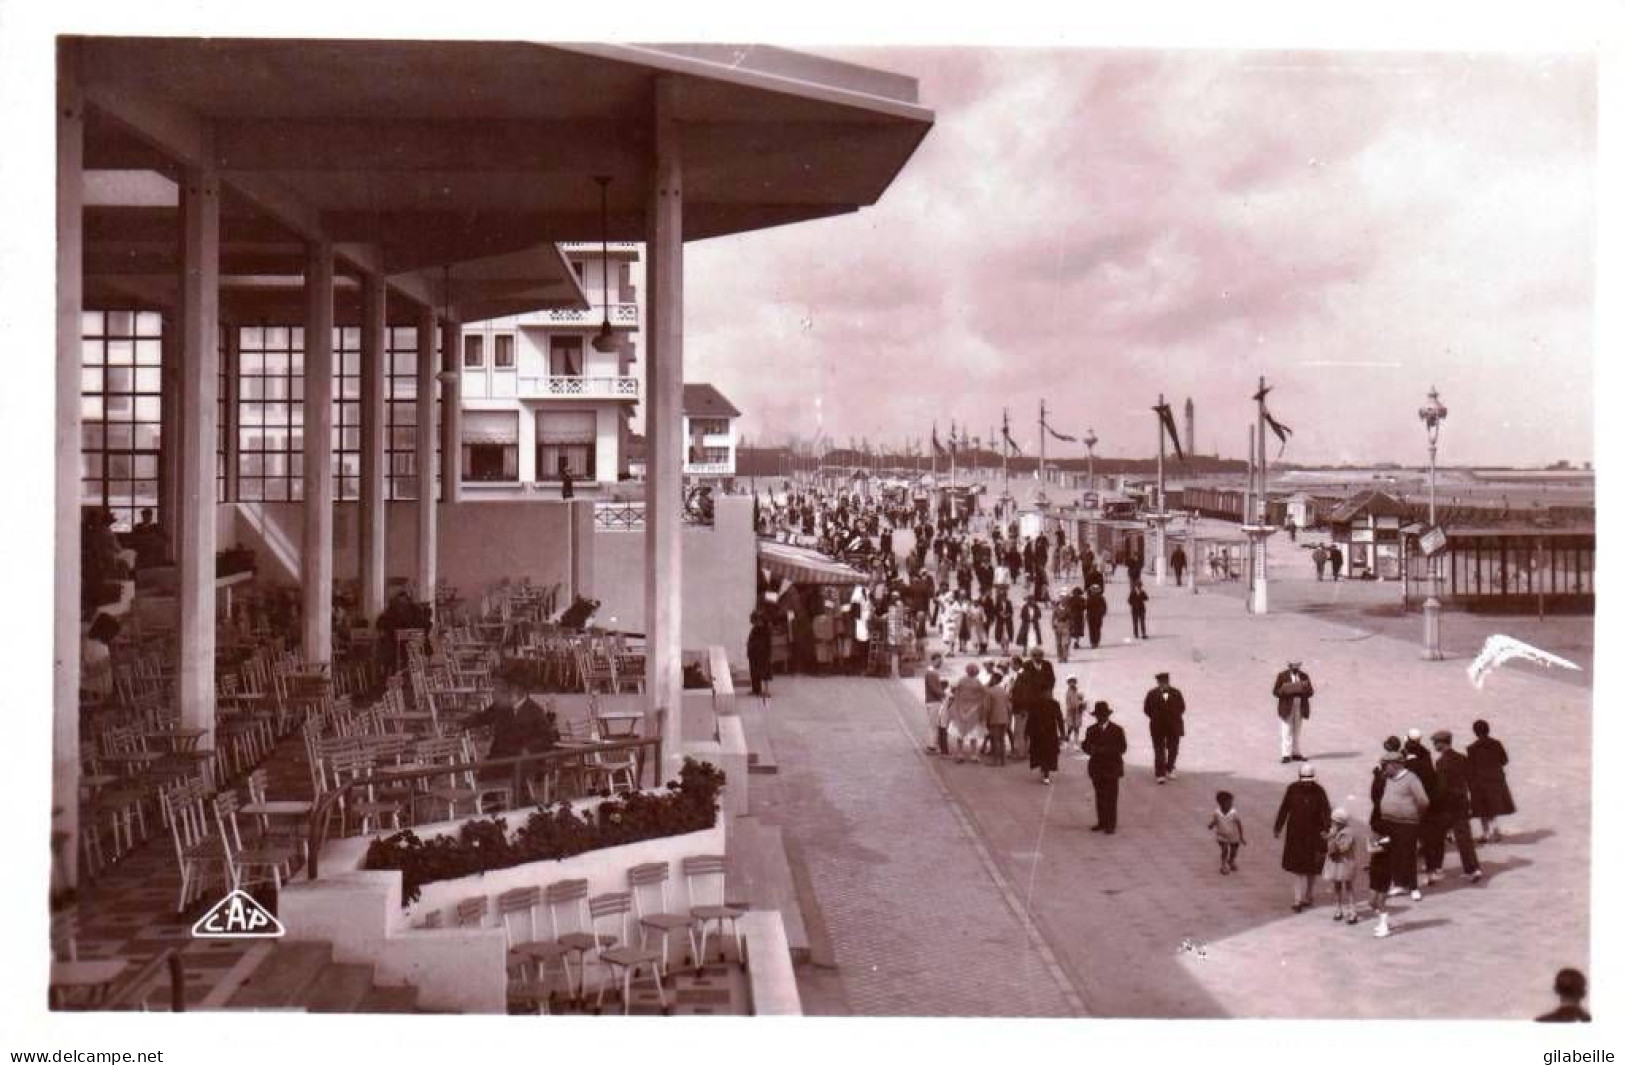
(710, 433)
(710, 436)
(538, 397)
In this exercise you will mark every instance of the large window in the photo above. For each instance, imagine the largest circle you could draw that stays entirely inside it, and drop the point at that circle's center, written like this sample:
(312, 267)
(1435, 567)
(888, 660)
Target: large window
(271, 412)
(565, 357)
(490, 445)
(401, 393)
(347, 412)
(119, 399)
(570, 438)
(502, 351)
(474, 351)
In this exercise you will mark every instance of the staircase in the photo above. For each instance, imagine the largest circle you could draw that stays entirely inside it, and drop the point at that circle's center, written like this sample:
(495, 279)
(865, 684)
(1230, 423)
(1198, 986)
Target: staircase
(304, 976)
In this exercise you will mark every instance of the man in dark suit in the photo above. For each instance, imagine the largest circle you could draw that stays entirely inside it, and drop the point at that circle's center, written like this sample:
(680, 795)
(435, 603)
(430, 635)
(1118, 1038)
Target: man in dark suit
(1165, 707)
(1105, 743)
(1293, 690)
(1094, 612)
(1449, 811)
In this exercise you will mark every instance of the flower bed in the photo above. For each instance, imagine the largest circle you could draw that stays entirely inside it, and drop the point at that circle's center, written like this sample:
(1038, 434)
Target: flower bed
(551, 832)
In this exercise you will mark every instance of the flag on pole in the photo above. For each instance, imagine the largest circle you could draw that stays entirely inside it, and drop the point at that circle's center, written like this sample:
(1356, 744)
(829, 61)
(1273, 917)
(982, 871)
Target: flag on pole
(1281, 431)
(1044, 424)
(936, 445)
(1008, 439)
(1166, 414)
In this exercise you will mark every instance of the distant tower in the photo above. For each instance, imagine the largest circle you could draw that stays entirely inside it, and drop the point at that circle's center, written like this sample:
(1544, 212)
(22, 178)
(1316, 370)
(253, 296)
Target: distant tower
(1190, 424)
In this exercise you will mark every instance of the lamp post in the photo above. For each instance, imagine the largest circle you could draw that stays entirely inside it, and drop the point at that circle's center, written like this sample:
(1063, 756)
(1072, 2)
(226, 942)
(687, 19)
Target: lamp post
(1432, 416)
(1089, 441)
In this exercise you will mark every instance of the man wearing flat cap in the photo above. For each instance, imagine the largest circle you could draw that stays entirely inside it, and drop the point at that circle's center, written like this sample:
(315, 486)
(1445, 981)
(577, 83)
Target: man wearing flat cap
(1165, 707)
(1293, 690)
(1449, 812)
(1105, 743)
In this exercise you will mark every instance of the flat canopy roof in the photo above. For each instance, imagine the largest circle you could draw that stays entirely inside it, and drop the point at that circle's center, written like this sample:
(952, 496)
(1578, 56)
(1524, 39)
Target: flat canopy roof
(411, 156)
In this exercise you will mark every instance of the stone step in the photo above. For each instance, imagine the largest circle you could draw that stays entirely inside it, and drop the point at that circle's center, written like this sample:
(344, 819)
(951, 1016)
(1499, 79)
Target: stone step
(338, 988)
(758, 741)
(759, 877)
(390, 1000)
(285, 975)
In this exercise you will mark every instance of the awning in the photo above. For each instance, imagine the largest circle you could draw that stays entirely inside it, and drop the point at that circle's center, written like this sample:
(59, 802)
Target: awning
(491, 427)
(803, 565)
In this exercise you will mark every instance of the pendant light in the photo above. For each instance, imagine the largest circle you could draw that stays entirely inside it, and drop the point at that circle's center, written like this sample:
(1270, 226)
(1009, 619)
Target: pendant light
(605, 340)
(454, 374)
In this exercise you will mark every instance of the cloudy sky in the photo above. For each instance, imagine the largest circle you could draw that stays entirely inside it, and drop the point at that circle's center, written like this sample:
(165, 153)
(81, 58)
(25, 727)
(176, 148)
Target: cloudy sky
(1091, 227)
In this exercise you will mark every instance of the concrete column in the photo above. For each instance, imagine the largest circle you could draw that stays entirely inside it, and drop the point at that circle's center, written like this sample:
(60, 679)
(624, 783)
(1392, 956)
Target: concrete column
(173, 415)
(200, 386)
(373, 536)
(582, 530)
(451, 413)
(234, 361)
(428, 402)
(316, 553)
(65, 634)
(663, 528)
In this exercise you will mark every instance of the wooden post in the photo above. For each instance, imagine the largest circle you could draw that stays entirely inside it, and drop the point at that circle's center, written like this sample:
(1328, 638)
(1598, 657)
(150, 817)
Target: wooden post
(373, 534)
(70, 257)
(316, 555)
(663, 556)
(428, 402)
(199, 390)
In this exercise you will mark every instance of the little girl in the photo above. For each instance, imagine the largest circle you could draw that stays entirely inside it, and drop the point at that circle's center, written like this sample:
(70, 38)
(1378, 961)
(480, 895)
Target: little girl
(1225, 825)
(1340, 864)
(1074, 710)
(1380, 878)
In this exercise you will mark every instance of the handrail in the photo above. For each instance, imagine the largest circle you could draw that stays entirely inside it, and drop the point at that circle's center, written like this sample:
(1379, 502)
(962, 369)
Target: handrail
(321, 812)
(135, 990)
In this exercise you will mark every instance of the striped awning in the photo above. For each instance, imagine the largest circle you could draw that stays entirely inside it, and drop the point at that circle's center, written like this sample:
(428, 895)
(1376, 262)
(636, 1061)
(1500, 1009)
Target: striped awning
(803, 565)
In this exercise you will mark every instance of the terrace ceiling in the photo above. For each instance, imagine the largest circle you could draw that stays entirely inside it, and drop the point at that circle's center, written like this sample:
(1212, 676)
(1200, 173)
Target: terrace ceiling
(415, 156)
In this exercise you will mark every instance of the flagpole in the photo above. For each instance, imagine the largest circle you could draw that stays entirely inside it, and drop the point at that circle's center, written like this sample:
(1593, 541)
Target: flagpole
(1043, 431)
(1006, 447)
(1261, 574)
(1161, 518)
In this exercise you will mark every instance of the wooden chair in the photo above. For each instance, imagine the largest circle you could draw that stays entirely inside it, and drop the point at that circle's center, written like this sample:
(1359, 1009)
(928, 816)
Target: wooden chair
(611, 922)
(260, 859)
(199, 853)
(529, 954)
(652, 905)
(700, 873)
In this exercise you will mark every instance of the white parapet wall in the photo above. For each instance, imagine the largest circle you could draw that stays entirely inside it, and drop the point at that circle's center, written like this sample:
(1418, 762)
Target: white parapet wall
(771, 976)
(458, 969)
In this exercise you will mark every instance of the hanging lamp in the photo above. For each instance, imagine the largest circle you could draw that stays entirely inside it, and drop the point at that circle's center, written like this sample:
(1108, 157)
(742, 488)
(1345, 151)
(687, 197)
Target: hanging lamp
(446, 376)
(605, 340)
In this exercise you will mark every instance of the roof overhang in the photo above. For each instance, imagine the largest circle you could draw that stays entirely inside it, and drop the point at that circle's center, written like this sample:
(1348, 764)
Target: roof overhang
(412, 157)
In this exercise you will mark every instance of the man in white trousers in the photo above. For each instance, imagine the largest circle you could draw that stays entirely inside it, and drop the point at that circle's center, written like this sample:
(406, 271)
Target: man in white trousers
(1293, 690)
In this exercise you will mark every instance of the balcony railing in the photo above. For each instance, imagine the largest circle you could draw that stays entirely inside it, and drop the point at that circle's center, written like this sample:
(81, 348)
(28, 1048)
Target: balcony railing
(709, 469)
(616, 387)
(631, 516)
(623, 314)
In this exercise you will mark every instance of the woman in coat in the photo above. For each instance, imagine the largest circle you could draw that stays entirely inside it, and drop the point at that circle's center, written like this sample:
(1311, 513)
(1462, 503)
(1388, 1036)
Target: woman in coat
(1043, 732)
(1305, 814)
(1487, 781)
(759, 654)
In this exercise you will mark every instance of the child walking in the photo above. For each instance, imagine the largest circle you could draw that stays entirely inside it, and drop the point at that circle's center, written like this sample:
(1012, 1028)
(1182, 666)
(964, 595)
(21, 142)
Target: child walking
(1074, 710)
(1339, 872)
(1225, 824)
(1381, 879)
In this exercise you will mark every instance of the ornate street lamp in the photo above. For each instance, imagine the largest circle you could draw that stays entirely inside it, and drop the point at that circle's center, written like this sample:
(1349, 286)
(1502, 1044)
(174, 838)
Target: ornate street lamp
(1432, 416)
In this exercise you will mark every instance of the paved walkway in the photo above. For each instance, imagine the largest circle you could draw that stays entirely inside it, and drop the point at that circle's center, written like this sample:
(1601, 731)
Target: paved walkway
(923, 922)
(903, 892)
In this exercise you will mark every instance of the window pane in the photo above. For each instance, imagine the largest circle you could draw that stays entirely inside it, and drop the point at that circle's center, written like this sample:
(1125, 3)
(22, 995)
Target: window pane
(90, 379)
(149, 324)
(474, 351)
(146, 465)
(91, 323)
(147, 379)
(276, 337)
(91, 435)
(90, 465)
(148, 437)
(120, 380)
(120, 323)
(90, 407)
(149, 352)
(120, 352)
(92, 352)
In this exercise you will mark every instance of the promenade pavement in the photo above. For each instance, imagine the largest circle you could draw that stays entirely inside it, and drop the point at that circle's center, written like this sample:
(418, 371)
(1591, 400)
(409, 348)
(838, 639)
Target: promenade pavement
(1141, 924)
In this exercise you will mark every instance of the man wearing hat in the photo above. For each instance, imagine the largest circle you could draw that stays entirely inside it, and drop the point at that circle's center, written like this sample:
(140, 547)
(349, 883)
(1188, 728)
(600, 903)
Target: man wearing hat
(1165, 707)
(1449, 812)
(1404, 807)
(1105, 744)
(1293, 690)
